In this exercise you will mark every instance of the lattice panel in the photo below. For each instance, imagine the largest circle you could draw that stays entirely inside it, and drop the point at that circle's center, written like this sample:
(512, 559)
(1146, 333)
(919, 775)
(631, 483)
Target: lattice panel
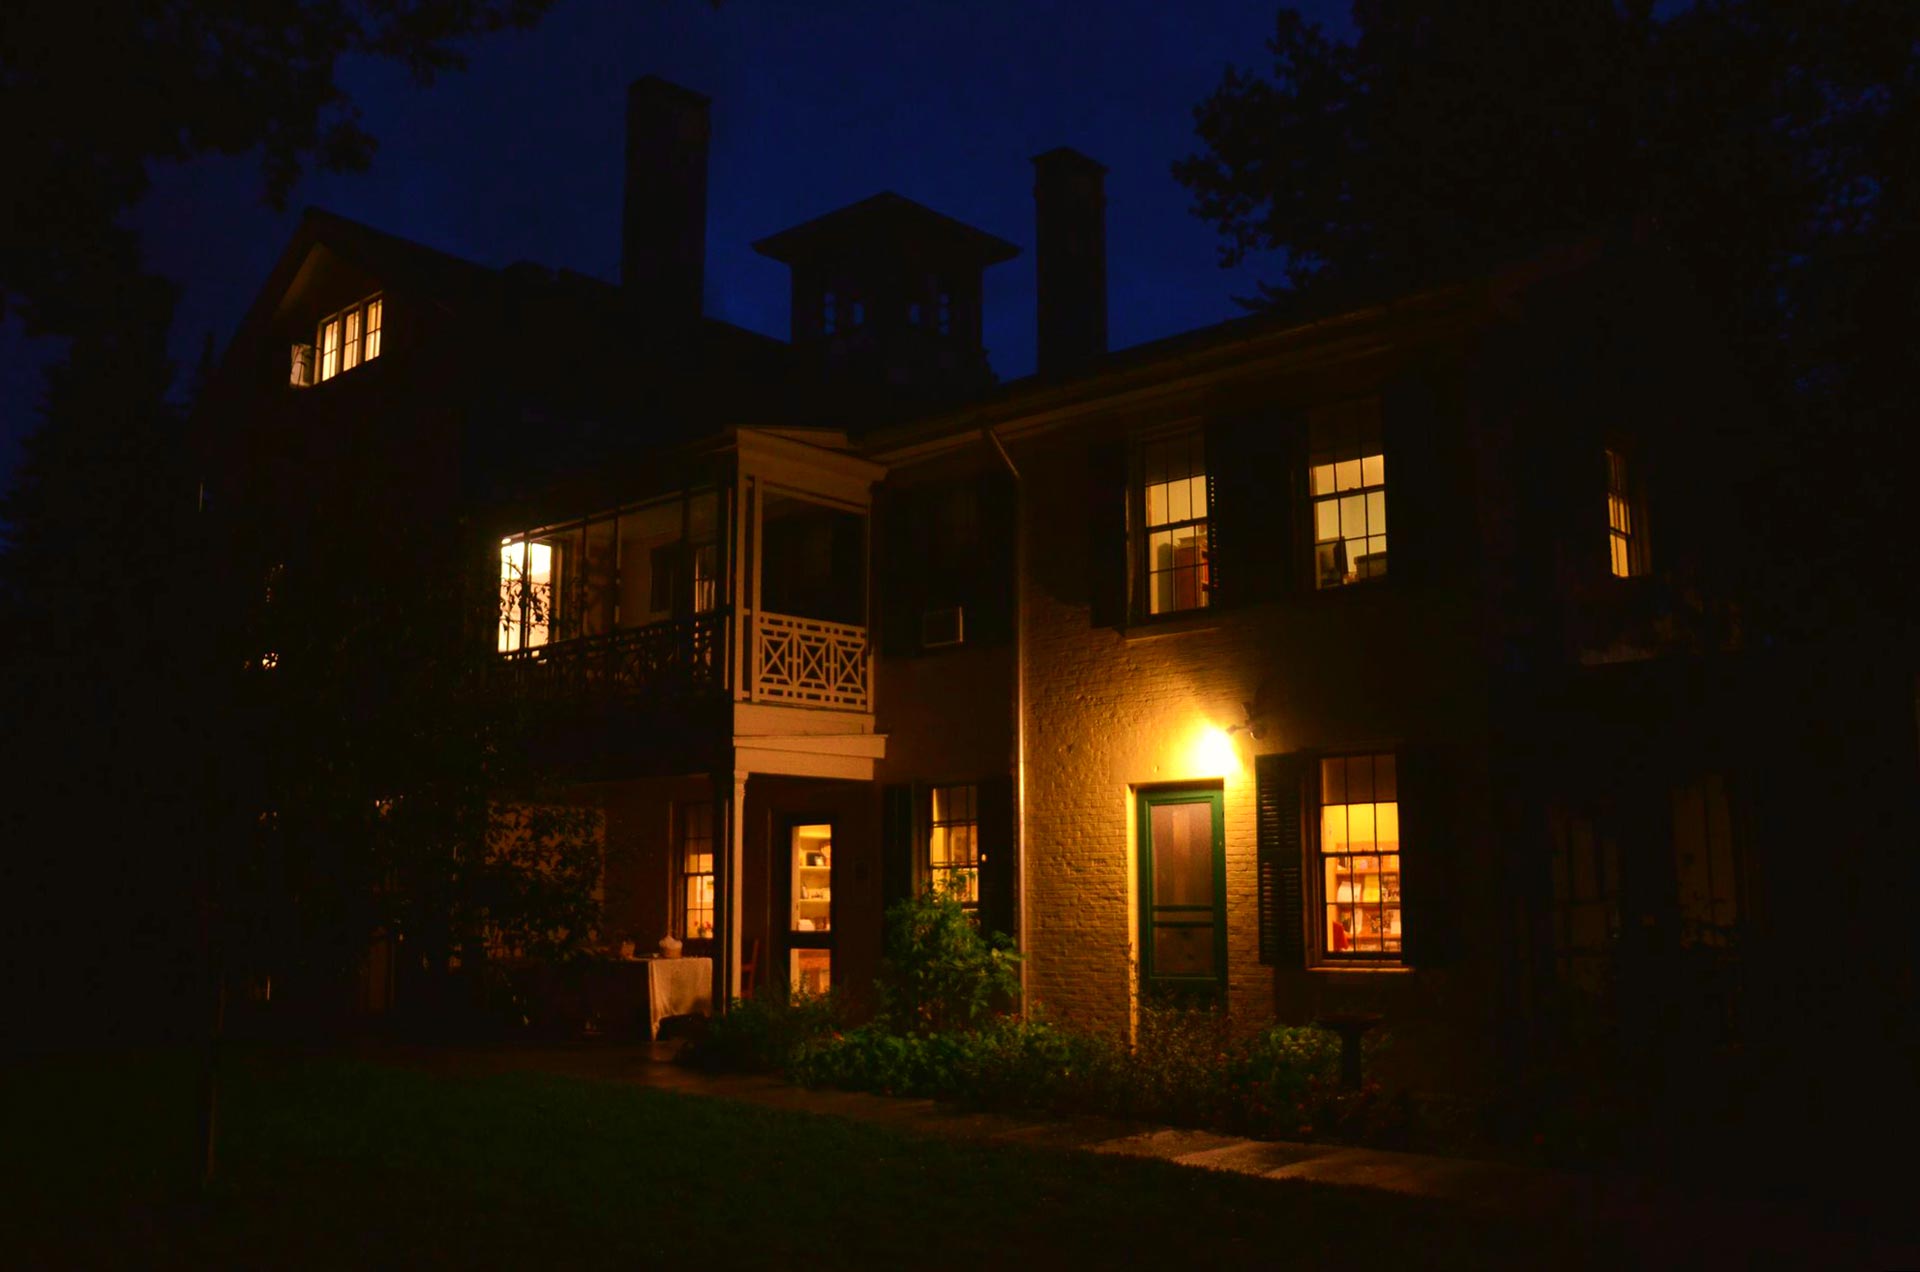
(810, 661)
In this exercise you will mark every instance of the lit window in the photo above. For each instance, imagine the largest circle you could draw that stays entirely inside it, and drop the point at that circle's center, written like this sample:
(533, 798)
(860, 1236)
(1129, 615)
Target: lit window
(953, 844)
(696, 871)
(1347, 480)
(1626, 544)
(343, 341)
(329, 348)
(1174, 503)
(526, 594)
(1359, 848)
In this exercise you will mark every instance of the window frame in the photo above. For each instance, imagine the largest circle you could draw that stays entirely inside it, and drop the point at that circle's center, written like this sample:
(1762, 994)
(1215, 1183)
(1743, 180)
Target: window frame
(1312, 501)
(1315, 866)
(1625, 498)
(929, 823)
(365, 320)
(683, 877)
(1146, 799)
(1141, 570)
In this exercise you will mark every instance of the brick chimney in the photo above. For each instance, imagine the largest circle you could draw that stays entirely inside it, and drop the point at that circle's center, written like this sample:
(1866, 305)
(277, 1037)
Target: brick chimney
(664, 241)
(1070, 214)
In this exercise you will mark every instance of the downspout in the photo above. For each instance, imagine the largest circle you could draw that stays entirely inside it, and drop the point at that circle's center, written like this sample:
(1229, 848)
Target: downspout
(1019, 699)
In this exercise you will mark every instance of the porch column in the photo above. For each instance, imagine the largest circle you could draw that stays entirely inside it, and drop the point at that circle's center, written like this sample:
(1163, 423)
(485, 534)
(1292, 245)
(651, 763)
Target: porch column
(732, 902)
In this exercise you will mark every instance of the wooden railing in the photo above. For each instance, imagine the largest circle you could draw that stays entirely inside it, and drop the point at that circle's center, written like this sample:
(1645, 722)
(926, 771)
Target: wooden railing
(809, 662)
(679, 654)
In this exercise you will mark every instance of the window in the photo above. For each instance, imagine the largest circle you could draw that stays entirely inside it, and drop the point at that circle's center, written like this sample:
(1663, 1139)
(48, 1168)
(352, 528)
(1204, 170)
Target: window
(829, 312)
(1183, 930)
(633, 567)
(1585, 871)
(1359, 851)
(1707, 862)
(695, 853)
(1174, 520)
(1625, 541)
(943, 313)
(953, 844)
(342, 341)
(1347, 481)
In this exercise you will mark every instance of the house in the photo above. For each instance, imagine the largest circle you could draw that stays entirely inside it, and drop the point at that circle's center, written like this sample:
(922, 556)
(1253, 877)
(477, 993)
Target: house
(1383, 661)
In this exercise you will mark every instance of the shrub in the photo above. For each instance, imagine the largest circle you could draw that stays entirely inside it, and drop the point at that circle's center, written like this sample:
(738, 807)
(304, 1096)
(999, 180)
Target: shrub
(940, 972)
(765, 1032)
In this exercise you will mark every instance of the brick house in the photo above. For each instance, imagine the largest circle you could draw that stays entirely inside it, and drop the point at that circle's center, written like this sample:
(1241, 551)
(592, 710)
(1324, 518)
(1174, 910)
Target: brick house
(1379, 661)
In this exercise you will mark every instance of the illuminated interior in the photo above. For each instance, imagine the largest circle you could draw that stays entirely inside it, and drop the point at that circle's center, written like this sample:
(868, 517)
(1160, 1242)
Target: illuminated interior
(1360, 854)
(953, 844)
(1347, 479)
(812, 853)
(629, 568)
(810, 850)
(1174, 482)
(341, 342)
(696, 871)
(526, 594)
(1622, 545)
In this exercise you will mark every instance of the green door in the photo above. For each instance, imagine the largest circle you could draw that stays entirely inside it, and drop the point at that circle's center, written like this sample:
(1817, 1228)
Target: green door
(1183, 904)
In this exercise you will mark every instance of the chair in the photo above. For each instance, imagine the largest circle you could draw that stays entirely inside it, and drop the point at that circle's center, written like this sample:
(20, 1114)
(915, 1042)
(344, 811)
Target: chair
(750, 969)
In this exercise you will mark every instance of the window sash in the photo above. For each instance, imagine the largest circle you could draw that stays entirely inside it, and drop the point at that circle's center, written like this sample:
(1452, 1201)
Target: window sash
(1357, 851)
(1175, 545)
(952, 848)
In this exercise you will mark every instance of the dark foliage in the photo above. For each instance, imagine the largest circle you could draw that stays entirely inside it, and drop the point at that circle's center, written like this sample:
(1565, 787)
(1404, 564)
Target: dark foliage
(1769, 146)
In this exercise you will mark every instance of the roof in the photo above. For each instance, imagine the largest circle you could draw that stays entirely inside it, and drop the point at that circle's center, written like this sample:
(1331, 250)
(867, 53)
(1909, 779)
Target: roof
(885, 216)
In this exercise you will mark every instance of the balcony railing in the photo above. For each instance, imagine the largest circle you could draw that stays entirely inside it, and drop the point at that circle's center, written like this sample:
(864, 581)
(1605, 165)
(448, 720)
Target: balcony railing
(809, 662)
(676, 655)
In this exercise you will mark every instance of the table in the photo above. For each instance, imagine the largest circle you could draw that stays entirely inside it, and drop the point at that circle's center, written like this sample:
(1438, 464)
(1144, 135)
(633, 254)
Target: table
(677, 987)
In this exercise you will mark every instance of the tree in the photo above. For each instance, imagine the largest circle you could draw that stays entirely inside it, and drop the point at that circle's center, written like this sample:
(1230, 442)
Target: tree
(93, 95)
(1772, 145)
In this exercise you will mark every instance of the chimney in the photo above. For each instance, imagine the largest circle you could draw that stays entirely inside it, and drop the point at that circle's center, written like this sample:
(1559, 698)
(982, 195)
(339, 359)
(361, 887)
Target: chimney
(1070, 214)
(664, 243)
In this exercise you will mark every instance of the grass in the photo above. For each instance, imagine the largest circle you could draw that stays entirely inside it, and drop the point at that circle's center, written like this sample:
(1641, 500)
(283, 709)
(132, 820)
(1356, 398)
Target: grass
(331, 1163)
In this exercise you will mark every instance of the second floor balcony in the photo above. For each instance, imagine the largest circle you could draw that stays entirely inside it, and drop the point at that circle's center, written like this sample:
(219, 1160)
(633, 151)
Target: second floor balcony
(753, 588)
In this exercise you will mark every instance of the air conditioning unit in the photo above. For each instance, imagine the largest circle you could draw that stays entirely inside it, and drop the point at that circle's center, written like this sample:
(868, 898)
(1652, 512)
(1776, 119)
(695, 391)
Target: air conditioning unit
(941, 627)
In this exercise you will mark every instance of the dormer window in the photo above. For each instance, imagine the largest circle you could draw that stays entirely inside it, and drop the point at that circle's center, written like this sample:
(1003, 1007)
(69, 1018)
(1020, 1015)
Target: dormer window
(341, 342)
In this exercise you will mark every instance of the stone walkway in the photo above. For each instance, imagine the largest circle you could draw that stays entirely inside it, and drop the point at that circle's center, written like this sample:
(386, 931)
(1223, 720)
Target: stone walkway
(1651, 1221)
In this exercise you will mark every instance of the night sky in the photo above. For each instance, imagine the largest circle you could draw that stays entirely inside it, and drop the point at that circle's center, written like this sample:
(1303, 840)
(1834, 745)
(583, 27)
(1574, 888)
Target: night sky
(815, 105)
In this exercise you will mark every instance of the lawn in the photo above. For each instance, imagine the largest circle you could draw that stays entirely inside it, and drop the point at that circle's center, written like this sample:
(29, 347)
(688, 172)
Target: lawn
(331, 1163)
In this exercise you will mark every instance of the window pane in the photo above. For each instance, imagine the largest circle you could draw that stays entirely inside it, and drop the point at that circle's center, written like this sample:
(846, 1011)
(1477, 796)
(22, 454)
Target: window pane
(373, 329)
(1373, 470)
(1183, 951)
(350, 345)
(1182, 854)
(1322, 479)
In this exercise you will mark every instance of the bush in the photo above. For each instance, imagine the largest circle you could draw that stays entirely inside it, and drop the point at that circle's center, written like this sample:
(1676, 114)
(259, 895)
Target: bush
(767, 1032)
(941, 973)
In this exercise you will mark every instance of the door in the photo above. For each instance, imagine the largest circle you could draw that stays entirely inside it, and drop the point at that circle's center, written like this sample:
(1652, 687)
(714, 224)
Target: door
(803, 867)
(1183, 929)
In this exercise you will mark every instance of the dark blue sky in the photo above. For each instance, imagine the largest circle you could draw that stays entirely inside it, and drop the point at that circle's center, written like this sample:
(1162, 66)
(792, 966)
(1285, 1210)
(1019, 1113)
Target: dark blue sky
(815, 105)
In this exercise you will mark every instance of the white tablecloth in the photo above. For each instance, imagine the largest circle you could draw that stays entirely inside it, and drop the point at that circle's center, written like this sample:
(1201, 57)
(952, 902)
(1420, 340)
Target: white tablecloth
(678, 987)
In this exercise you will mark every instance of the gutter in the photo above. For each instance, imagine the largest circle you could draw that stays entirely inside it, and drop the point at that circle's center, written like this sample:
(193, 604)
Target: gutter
(1019, 699)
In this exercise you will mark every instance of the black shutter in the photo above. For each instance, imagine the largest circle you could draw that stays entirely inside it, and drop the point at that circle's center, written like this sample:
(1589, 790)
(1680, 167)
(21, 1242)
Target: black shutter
(1109, 556)
(901, 576)
(1430, 845)
(999, 864)
(989, 603)
(1250, 507)
(1427, 489)
(898, 846)
(1279, 863)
